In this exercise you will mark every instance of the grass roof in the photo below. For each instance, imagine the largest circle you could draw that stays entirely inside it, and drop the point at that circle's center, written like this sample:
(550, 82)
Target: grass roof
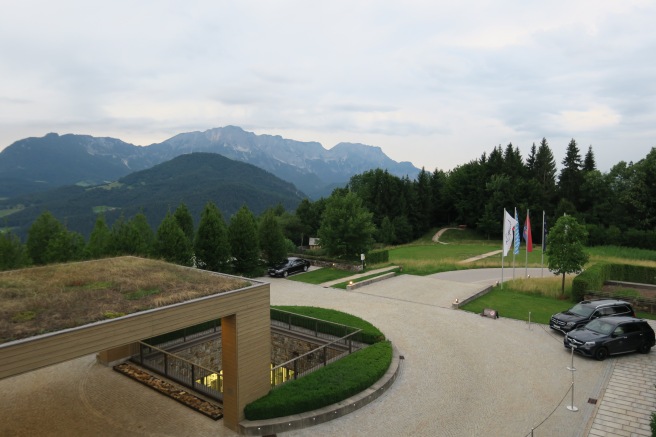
(51, 298)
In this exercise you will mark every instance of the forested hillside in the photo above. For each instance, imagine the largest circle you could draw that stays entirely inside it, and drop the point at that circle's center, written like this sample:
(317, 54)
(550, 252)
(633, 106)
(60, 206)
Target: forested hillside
(193, 179)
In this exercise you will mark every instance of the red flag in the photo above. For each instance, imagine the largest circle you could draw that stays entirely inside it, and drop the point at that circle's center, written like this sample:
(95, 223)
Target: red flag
(527, 234)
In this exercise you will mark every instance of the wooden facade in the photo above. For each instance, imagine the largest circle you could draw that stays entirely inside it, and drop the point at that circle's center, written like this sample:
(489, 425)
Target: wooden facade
(246, 342)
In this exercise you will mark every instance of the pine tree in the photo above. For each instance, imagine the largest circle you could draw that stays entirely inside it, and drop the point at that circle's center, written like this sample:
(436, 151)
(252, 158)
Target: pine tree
(544, 172)
(211, 245)
(589, 163)
(185, 221)
(171, 244)
(100, 239)
(244, 244)
(571, 175)
(143, 236)
(272, 240)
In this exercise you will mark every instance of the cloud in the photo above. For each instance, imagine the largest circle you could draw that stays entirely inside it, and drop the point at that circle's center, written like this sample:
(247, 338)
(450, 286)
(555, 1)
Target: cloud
(436, 84)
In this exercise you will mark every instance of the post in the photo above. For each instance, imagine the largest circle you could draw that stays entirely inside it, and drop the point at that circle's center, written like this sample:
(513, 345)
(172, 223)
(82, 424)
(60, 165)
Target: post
(572, 369)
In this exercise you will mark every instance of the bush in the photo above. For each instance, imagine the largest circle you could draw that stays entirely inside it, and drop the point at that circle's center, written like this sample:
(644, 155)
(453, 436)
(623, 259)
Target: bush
(369, 334)
(652, 424)
(593, 278)
(336, 382)
(378, 257)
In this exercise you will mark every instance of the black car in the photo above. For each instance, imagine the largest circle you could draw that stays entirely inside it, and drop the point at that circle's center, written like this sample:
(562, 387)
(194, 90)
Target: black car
(291, 265)
(611, 336)
(588, 310)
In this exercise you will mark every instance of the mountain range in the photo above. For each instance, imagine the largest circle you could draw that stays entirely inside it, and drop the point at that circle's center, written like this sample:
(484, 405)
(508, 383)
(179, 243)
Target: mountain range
(76, 176)
(36, 164)
(193, 179)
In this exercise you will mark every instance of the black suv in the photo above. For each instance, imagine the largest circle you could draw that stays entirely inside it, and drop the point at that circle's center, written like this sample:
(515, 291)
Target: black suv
(588, 310)
(610, 336)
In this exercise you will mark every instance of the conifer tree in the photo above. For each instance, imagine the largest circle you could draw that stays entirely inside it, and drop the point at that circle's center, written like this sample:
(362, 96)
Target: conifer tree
(571, 176)
(99, 244)
(244, 244)
(171, 243)
(589, 163)
(272, 239)
(211, 245)
(185, 221)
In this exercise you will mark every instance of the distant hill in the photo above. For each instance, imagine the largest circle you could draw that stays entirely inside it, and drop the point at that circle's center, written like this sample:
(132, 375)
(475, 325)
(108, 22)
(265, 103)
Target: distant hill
(193, 179)
(37, 164)
(307, 165)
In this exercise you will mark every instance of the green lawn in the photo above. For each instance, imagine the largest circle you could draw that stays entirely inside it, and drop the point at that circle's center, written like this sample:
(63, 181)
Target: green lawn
(517, 305)
(539, 296)
(320, 276)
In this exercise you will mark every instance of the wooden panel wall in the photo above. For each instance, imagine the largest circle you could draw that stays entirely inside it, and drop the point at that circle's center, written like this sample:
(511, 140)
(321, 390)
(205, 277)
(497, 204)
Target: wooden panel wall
(247, 310)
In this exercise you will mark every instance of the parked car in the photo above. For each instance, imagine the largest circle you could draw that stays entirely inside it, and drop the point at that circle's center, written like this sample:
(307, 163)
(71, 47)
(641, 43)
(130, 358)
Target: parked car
(291, 265)
(611, 336)
(584, 312)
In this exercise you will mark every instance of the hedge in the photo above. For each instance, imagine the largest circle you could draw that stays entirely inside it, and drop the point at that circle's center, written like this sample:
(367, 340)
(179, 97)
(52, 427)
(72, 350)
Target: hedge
(596, 276)
(328, 385)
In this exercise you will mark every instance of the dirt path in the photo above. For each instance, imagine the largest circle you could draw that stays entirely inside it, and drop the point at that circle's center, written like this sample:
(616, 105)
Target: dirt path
(438, 234)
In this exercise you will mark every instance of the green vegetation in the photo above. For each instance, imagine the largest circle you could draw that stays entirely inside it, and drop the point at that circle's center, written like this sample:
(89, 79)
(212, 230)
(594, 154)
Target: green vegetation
(139, 294)
(330, 384)
(517, 305)
(370, 333)
(321, 275)
(326, 386)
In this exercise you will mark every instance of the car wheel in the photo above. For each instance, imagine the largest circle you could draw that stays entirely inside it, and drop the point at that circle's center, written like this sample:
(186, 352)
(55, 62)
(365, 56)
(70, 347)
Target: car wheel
(601, 354)
(284, 274)
(645, 348)
(305, 268)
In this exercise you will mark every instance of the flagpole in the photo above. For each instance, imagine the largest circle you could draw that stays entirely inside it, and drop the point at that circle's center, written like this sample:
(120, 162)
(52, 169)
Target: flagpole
(515, 237)
(503, 246)
(526, 242)
(542, 260)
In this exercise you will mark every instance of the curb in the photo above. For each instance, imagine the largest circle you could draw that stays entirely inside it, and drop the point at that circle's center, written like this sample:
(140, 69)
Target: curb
(325, 414)
(370, 281)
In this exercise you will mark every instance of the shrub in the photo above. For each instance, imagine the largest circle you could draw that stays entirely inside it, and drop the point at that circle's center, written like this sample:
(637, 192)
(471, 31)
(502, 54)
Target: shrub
(369, 334)
(326, 386)
(378, 257)
(593, 278)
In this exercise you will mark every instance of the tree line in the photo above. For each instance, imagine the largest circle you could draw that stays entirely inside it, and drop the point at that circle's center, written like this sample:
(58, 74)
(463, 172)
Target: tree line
(616, 208)
(242, 245)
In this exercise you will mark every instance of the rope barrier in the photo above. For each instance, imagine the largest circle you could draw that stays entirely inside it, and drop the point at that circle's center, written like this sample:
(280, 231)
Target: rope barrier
(550, 414)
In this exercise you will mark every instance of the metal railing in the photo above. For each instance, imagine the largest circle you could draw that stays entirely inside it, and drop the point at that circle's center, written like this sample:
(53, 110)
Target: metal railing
(198, 378)
(337, 341)
(315, 327)
(341, 340)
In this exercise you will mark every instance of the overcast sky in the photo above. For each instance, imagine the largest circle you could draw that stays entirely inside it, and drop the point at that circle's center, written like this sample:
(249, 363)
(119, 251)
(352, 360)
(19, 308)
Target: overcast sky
(435, 83)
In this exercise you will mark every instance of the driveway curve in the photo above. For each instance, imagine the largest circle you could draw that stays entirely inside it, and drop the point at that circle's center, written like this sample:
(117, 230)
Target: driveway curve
(462, 375)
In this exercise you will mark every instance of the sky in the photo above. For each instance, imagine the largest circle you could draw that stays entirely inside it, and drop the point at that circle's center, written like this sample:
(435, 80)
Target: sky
(435, 83)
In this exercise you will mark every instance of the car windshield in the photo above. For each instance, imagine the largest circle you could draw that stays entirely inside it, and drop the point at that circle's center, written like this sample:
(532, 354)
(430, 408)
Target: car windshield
(282, 264)
(581, 310)
(600, 326)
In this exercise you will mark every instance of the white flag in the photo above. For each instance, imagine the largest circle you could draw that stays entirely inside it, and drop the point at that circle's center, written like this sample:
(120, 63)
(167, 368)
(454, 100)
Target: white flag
(509, 223)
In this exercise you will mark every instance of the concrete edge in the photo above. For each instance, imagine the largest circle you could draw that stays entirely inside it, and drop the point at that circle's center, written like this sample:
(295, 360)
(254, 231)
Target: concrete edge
(370, 281)
(457, 305)
(325, 414)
